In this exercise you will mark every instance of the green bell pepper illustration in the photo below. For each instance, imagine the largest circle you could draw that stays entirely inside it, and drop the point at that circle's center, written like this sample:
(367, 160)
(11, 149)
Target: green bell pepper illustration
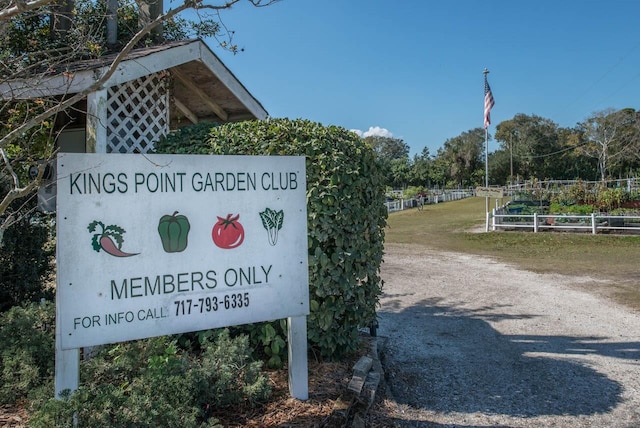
(174, 232)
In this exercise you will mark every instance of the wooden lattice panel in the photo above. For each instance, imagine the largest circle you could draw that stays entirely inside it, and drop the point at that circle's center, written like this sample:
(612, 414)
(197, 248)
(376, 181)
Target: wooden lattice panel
(137, 114)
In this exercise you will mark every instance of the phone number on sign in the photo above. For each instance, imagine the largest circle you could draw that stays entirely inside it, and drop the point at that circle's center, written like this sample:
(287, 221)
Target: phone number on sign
(211, 304)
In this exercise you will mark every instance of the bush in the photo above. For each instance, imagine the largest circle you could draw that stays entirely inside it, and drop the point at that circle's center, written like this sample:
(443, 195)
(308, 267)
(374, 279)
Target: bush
(557, 208)
(150, 382)
(27, 354)
(26, 254)
(609, 199)
(346, 216)
(268, 340)
(153, 383)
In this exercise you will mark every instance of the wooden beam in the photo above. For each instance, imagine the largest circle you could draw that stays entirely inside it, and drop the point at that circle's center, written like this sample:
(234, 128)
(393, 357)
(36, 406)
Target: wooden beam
(151, 61)
(185, 110)
(227, 78)
(219, 111)
(78, 81)
(96, 128)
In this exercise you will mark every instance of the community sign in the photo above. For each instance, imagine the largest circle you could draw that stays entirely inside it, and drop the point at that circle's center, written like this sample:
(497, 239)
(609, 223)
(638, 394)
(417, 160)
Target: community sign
(150, 245)
(490, 192)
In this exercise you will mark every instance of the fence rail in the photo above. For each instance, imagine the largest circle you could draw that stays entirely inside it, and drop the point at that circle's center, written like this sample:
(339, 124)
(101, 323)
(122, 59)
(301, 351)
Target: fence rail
(630, 184)
(443, 196)
(538, 222)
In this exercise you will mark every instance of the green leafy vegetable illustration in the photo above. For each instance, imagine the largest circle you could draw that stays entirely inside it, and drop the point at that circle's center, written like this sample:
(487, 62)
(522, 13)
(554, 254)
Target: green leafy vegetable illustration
(108, 239)
(272, 221)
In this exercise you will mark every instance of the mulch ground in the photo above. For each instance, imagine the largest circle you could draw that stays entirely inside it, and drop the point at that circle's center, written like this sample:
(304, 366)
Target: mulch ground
(327, 383)
(13, 416)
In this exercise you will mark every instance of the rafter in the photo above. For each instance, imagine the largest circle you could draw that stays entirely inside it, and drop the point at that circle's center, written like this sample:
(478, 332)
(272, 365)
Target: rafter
(186, 81)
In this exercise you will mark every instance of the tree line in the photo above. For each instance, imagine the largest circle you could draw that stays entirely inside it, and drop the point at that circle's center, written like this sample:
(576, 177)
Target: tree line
(604, 146)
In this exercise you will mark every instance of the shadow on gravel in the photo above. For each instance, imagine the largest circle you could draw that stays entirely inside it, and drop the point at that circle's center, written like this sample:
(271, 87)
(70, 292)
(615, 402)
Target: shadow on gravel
(443, 359)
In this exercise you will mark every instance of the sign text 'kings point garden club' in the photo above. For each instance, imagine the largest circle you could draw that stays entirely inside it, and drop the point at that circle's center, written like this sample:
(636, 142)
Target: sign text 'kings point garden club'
(151, 245)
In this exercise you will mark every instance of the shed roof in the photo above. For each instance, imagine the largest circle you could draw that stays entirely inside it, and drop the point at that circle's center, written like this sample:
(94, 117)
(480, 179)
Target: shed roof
(203, 85)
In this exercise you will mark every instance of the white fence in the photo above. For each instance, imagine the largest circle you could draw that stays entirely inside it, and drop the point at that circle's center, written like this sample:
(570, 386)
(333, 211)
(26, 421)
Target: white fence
(442, 196)
(630, 184)
(593, 223)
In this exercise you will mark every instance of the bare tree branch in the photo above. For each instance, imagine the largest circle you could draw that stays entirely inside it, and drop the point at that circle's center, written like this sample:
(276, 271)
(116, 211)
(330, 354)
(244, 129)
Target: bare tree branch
(16, 191)
(22, 6)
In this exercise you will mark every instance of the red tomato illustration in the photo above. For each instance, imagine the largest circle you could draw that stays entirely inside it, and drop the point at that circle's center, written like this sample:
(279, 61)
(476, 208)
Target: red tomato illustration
(228, 233)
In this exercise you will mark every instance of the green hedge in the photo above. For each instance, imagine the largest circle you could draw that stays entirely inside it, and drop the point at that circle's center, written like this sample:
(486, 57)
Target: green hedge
(27, 249)
(27, 351)
(346, 215)
(155, 383)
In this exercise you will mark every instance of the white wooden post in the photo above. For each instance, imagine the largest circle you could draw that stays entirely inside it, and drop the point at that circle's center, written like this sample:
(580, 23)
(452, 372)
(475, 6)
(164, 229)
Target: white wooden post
(493, 220)
(298, 367)
(67, 362)
(67, 370)
(535, 222)
(97, 122)
(594, 227)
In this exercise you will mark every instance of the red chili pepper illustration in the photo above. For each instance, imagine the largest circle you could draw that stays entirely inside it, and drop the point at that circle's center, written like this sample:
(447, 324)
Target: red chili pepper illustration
(109, 239)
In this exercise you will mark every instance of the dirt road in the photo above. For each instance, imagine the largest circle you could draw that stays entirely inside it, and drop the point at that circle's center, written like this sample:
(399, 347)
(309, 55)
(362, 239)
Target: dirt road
(474, 343)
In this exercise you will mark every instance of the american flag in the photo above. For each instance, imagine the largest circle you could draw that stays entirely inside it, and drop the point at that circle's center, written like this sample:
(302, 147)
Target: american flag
(488, 102)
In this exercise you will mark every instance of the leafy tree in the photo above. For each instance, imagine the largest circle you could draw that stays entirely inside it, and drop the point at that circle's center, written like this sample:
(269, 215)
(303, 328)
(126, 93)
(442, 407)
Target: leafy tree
(609, 137)
(571, 163)
(400, 172)
(464, 157)
(393, 157)
(534, 143)
(387, 148)
(499, 167)
(45, 37)
(420, 168)
(439, 171)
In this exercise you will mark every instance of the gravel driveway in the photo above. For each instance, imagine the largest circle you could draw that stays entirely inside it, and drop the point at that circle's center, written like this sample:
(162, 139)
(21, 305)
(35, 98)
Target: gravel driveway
(475, 343)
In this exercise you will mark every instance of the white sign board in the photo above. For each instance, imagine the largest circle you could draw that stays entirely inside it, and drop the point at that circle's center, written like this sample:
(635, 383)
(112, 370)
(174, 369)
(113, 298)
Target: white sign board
(490, 192)
(150, 245)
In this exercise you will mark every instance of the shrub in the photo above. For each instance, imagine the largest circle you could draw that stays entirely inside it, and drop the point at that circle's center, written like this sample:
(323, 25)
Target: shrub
(26, 254)
(609, 199)
(413, 191)
(268, 340)
(346, 216)
(152, 383)
(27, 353)
(557, 208)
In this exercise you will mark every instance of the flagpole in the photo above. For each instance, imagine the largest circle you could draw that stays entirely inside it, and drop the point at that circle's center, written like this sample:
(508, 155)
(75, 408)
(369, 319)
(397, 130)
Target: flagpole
(486, 153)
(486, 166)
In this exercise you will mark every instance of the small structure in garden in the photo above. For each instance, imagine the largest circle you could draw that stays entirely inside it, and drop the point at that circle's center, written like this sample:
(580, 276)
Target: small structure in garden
(153, 91)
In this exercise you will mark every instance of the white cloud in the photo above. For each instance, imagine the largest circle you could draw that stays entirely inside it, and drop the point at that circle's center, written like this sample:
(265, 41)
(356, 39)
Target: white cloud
(374, 131)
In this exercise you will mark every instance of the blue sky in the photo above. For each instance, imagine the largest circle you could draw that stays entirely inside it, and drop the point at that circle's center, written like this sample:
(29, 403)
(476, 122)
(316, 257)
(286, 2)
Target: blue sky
(414, 68)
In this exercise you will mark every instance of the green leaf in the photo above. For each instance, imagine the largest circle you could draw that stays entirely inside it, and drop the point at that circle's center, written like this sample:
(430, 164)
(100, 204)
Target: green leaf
(279, 219)
(92, 226)
(267, 221)
(95, 242)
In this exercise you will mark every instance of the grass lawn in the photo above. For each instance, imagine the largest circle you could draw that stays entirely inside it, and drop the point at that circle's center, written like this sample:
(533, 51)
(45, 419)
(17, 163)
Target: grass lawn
(454, 226)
